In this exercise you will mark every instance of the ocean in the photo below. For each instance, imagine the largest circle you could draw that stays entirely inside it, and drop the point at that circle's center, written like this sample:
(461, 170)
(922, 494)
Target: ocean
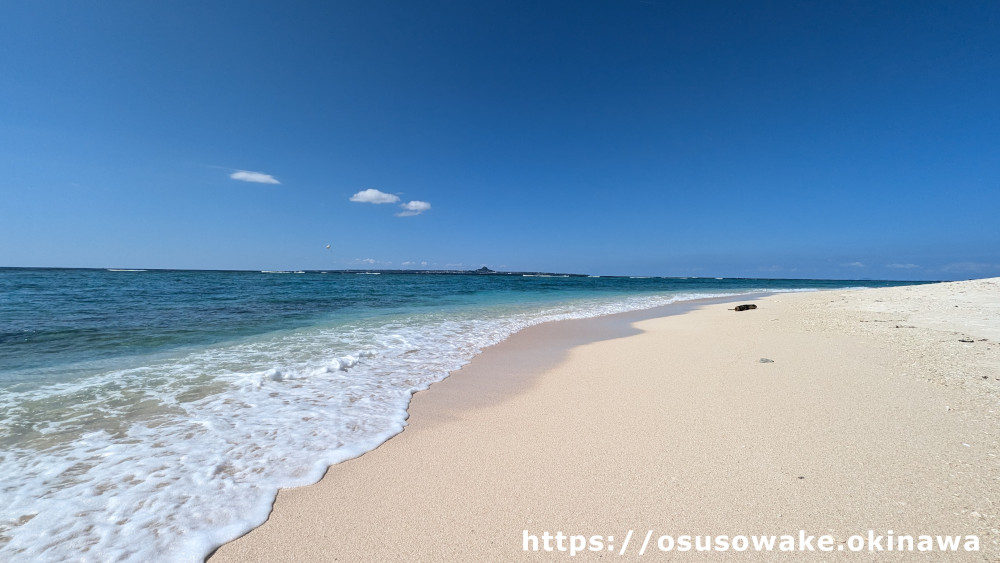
(153, 415)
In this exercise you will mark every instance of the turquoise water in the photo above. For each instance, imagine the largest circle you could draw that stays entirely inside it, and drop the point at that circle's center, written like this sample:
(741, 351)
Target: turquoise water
(153, 414)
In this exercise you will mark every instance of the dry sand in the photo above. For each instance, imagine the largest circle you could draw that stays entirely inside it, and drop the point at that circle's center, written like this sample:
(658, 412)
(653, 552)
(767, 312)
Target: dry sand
(873, 415)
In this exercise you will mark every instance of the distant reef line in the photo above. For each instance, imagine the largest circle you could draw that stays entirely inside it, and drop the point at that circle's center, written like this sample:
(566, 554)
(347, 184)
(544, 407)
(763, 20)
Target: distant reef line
(484, 271)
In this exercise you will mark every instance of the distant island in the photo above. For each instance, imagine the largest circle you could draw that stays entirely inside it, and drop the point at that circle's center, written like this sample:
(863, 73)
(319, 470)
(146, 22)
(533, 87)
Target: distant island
(484, 271)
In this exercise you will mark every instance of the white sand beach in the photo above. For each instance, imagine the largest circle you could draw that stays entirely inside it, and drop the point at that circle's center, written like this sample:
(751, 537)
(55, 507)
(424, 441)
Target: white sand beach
(879, 410)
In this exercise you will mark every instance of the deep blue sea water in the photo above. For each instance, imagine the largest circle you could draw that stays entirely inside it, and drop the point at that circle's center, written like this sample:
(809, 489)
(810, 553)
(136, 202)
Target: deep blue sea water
(152, 415)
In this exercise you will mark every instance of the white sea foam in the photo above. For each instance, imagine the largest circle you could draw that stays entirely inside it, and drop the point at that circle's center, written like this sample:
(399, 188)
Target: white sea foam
(169, 460)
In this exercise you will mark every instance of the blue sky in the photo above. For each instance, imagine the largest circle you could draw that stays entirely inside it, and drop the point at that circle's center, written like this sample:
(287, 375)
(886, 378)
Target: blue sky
(763, 139)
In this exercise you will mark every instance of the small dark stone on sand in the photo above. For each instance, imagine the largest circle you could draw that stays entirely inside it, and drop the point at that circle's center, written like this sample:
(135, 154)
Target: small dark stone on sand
(801, 477)
(745, 307)
(766, 361)
(969, 340)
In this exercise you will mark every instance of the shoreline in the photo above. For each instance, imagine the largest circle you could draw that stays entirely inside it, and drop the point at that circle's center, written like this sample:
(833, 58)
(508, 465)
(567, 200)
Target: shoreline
(533, 349)
(463, 455)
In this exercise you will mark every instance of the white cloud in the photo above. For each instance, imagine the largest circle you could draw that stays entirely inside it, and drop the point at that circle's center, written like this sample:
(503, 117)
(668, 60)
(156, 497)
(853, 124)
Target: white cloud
(369, 262)
(414, 207)
(854, 265)
(256, 177)
(374, 196)
(902, 266)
